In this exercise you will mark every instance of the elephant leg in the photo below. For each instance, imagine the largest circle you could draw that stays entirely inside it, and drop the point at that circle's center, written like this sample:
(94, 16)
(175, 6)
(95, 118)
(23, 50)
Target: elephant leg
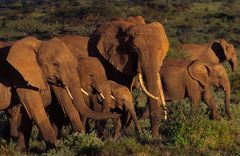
(194, 95)
(14, 119)
(145, 114)
(33, 104)
(85, 123)
(24, 133)
(117, 125)
(208, 98)
(193, 91)
(127, 123)
(57, 117)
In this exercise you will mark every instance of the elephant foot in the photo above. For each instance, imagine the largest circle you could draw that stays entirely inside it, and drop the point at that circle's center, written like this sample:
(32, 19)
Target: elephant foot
(229, 117)
(216, 117)
(117, 136)
(21, 145)
(21, 148)
(50, 146)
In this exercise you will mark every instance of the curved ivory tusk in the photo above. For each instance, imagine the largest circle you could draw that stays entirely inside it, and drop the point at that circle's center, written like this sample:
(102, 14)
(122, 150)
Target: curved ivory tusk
(68, 91)
(85, 92)
(162, 96)
(102, 96)
(113, 97)
(144, 88)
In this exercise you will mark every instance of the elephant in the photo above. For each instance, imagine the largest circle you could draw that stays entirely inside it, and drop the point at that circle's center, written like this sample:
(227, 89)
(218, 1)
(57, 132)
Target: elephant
(130, 49)
(29, 65)
(98, 89)
(125, 106)
(77, 44)
(193, 79)
(94, 81)
(212, 53)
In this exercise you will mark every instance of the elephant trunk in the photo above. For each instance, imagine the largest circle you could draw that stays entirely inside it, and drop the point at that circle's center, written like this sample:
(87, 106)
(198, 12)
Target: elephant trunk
(227, 90)
(154, 104)
(78, 101)
(104, 91)
(144, 88)
(134, 117)
(234, 63)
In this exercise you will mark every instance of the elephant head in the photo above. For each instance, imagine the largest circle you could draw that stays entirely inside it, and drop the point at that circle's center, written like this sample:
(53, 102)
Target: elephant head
(134, 49)
(94, 80)
(43, 62)
(215, 75)
(221, 80)
(226, 51)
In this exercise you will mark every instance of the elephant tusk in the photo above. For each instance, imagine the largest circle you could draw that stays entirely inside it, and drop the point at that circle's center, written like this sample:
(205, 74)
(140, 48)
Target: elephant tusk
(113, 97)
(85, 92)
(68, 91)
(162, 96)
(102, 96)
(144, 88)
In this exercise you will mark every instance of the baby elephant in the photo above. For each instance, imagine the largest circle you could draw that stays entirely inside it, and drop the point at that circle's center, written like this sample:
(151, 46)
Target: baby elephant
(123, 105)
(193, 79)
(98, 90)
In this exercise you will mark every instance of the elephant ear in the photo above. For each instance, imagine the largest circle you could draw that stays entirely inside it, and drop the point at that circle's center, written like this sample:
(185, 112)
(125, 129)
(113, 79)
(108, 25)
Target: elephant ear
(136, 20)
(200, 72)
(22, 57)
(112, 43)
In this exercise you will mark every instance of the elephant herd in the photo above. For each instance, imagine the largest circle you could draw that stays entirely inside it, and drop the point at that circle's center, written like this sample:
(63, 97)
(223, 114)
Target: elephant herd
(81, 78)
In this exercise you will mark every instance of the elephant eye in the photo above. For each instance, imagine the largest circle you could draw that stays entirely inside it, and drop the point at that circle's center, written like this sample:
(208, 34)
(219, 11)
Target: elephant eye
(55, 64)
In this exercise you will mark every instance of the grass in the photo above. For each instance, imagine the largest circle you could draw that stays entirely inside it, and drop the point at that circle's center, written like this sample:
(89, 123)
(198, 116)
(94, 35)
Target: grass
(184, 133)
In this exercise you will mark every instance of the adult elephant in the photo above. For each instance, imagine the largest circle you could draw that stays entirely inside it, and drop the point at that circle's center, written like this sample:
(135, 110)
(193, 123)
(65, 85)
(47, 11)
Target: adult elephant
(128, 49)
(29, 65)
(193, 79)
(212, 53)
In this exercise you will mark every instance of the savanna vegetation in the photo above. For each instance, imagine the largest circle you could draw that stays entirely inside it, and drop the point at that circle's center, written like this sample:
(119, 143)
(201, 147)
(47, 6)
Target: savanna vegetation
(185, 21)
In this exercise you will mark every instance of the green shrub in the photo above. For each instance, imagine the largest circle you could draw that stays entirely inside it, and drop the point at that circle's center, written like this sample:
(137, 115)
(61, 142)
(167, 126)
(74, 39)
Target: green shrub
(83, 143)
(184, 129)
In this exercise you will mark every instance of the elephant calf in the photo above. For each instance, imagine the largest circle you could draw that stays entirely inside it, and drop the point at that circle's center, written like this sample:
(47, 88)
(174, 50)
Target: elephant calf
(105, 95)
(193, 79)
(123, 105)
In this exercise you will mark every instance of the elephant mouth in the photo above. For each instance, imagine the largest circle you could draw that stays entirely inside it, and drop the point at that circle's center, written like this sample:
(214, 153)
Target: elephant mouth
(68, 91)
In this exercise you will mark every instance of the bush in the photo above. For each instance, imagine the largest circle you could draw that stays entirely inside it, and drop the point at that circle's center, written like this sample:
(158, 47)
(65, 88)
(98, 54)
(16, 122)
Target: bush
(184, 129)
(83, 143)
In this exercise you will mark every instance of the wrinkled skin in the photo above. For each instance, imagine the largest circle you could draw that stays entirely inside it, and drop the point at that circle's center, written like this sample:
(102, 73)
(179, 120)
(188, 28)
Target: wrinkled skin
(193, 79)
(123, 105)
(126, 48)
(211, 53)
(46, 62)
